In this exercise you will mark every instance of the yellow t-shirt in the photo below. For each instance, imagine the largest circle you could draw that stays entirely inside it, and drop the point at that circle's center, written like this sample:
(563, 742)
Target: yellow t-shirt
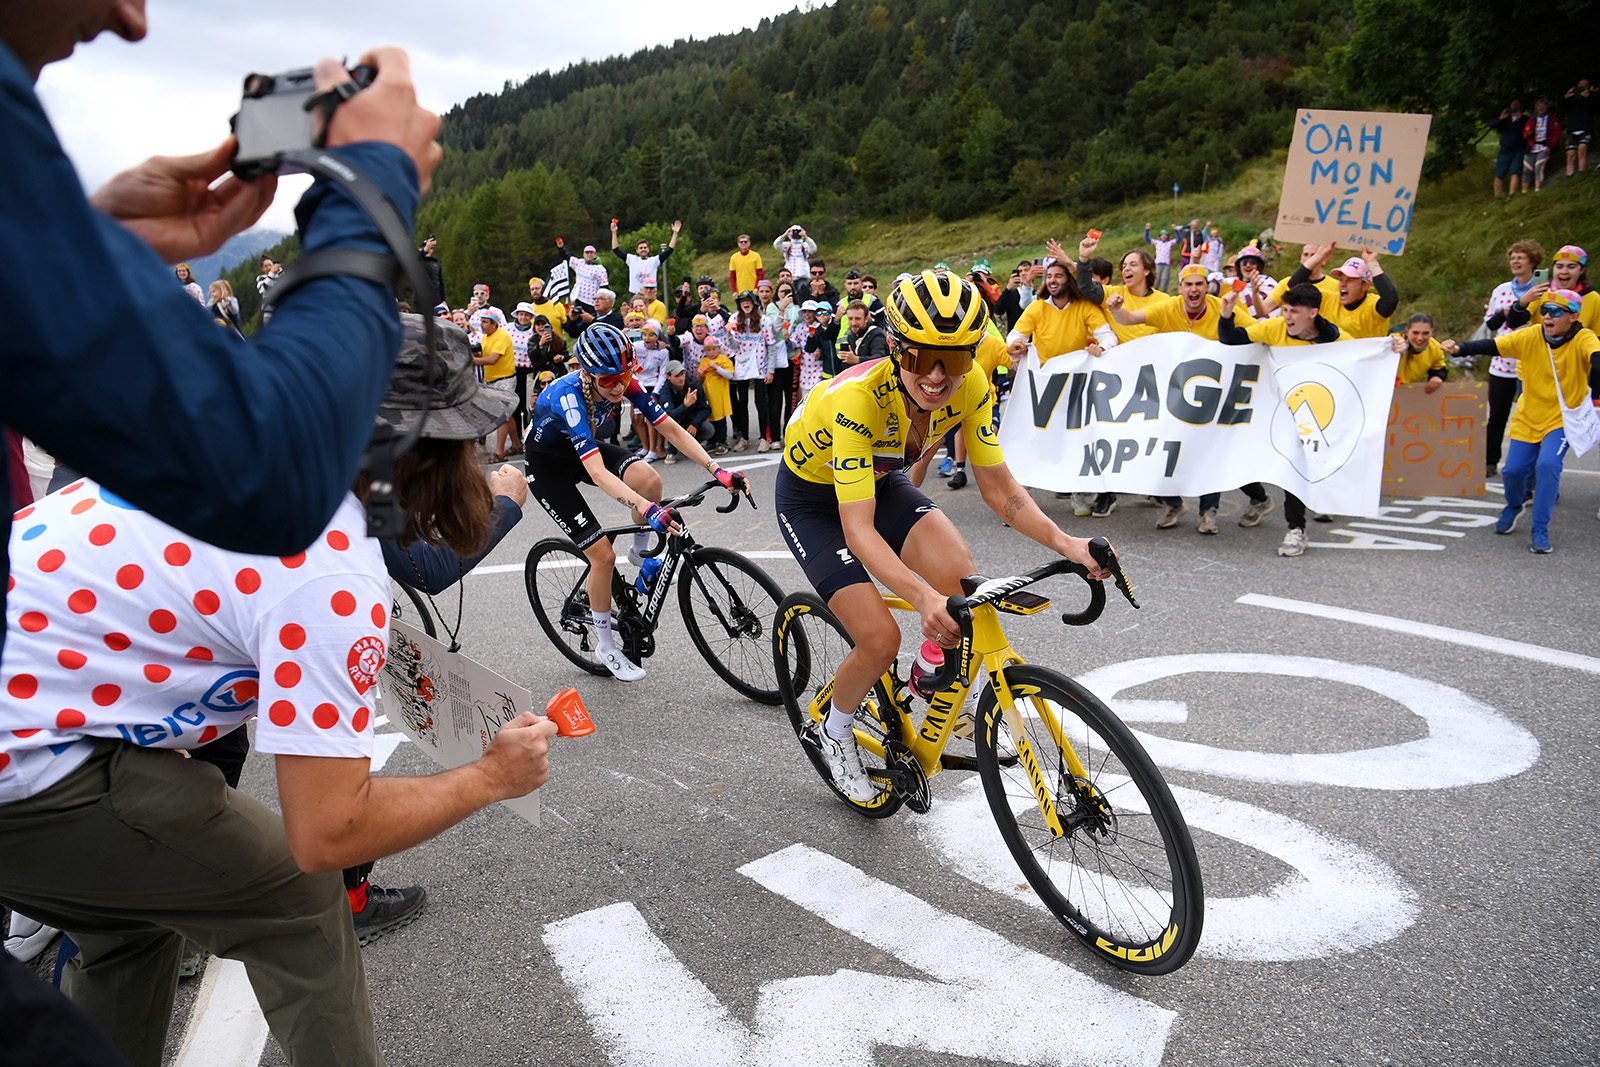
(716, 385)
(990, 356)
(743, 266)
(1133, 302)
(1588, 313)
(1362, 321)
(499, 344)
(854, 429)
(553, 310)
(1327, 285)
(1057, 331)
(1173, 317)
(1276, 332)
(658, 311)
(1537, 412)
(1414, 366)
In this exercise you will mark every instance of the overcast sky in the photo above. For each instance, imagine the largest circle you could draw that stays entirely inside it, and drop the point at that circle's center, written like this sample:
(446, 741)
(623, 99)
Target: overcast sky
(114, 104)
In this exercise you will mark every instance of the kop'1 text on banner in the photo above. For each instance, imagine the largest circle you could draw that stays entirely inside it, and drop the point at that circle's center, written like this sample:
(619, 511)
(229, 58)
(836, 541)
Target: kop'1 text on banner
(1352, 179)
(1178, 415)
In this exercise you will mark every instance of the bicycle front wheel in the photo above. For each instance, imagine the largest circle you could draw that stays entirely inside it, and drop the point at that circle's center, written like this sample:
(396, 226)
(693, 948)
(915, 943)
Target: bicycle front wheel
(808, 644)
(728, 604)
(557, 575)
(1112, 859)
(419, 615)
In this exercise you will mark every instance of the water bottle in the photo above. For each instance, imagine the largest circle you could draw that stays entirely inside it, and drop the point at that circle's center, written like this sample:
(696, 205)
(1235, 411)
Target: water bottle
(647, 575)
(930, 657)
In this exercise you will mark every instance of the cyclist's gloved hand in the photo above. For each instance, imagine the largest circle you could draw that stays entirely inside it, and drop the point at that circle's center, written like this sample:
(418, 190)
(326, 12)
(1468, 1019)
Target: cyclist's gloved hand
(732, 481)
(662, 520)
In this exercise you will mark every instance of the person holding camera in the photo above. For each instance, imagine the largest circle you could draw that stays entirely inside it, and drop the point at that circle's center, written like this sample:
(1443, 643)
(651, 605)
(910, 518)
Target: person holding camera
(796, 247)
(430, 266)
(111, 835)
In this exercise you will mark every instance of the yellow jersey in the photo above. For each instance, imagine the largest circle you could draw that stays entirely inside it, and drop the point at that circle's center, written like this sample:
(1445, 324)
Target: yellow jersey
(854, 429)
(1131, 301)
(1173, 317)
(1537, 412)
(1276, 332)
(1327, 285)
(1414, 366)
(1057, 331)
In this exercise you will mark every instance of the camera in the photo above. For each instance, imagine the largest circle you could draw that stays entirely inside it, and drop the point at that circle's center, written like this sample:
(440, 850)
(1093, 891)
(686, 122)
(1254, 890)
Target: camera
(276, 116)
(795, 233)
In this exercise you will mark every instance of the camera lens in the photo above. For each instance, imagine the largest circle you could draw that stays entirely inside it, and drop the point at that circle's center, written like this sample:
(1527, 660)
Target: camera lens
(257, 85)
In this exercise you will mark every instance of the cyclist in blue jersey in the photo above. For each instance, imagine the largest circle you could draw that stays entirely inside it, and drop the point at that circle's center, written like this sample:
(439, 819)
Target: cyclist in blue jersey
(564, 449)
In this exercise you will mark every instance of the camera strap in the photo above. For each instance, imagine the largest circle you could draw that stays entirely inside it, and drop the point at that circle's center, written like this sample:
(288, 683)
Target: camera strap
(400, 265)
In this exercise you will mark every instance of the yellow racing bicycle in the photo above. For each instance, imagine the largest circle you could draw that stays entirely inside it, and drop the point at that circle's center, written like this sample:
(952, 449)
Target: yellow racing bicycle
(1079, 803)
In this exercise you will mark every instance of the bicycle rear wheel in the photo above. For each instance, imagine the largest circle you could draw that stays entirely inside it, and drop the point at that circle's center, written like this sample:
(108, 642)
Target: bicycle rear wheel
(808, 644)
(556, 574)
(728, 603)
(1122, 874)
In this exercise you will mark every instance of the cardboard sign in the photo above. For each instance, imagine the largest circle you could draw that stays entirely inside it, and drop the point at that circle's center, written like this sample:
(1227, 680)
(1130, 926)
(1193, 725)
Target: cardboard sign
(1436, 440)
(1352, 179)
(449, 705)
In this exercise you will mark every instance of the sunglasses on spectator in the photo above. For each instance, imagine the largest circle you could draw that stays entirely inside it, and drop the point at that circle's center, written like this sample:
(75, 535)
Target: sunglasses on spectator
(817, 273)
(921, 361)
(1553, 311)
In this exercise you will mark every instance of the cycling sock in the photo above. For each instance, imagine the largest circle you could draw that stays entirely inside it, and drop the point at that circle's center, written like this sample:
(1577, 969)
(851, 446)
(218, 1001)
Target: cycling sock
(641, 542)
(839, 724)
(602, 629)
(961, 464)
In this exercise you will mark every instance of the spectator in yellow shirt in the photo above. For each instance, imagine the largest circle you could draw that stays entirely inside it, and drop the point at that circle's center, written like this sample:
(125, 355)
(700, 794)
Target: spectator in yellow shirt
(1422, 359)
(498, 359)
(716, 370)
(553, 310)
(1367, 297)
(1136, 293)
(745, 269)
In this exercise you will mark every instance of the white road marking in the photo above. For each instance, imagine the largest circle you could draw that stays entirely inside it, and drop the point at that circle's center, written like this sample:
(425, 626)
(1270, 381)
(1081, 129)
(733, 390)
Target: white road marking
(1338, 898)
(226, 1028)
(648, 1009)
(1404, 529)
(1468, 742)
(1411, 628)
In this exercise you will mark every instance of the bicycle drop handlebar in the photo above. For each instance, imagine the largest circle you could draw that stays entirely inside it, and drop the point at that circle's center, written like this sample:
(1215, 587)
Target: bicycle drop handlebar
(987, 592)
(691, 500)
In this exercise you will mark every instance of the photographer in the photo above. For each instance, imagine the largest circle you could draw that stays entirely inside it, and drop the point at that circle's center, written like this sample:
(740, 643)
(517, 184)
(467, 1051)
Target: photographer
(430, 267)
(185, 390)
(796, 247)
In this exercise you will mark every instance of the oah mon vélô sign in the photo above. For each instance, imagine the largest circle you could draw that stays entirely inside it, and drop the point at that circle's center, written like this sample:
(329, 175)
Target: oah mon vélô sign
(1352, 179)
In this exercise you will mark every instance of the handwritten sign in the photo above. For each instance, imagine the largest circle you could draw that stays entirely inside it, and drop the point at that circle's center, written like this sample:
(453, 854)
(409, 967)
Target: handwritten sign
(449, 705)
(1352, 179)
(1436, 440)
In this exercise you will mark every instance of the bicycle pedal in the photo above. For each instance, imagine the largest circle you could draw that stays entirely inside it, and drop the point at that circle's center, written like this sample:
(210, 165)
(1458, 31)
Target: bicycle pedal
(950, 761)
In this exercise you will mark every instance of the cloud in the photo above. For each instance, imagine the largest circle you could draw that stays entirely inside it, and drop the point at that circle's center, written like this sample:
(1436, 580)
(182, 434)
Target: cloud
(114, 104)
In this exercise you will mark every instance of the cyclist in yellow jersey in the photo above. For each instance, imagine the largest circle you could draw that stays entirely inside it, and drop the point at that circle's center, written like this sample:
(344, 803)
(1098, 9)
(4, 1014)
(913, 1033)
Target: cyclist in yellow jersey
(848, 503)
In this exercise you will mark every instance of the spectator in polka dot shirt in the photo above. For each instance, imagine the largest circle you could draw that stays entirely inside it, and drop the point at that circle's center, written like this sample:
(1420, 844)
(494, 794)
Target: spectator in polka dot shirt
(132, 640)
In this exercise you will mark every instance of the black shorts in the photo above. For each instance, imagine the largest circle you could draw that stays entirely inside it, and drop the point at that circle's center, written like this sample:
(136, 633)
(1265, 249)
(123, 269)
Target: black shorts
(808, 515)
(553, 480)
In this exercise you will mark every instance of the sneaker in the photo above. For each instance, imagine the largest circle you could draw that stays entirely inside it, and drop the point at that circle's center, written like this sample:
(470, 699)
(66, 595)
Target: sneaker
(1510, 515)
(1541, 543)
(1155, 501)
(672, 457)
(1322, 516)
(1103, 505)
(621, 667)
(1082, 504)
(1170, 514)
(26, 938)
(740, 444)
(1208, 521)
(194, 957)
(843, 759)
(947, 467)
(1294, 543)
(1258, 510)
(647, 574)
(386, 910)
(764, 446)
(719, 450)
(649, 457)
(959, 478)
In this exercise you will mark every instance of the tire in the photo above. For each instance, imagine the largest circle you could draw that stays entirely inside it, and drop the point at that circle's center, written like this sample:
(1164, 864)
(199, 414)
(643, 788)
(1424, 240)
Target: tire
(728, 606)
(420, 615)
(1124, 878)
(808, 643)
(555, 574)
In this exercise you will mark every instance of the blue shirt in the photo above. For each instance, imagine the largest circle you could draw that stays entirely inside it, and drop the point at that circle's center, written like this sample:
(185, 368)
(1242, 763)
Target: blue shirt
(561, 415)
(249, 445)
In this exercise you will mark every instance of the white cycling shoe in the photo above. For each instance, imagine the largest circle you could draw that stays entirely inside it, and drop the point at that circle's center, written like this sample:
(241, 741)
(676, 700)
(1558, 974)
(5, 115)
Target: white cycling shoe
(843, 759)
(621, 667)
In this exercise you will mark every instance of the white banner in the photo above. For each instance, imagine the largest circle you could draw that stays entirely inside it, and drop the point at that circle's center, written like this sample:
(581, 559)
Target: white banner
(1177, 415)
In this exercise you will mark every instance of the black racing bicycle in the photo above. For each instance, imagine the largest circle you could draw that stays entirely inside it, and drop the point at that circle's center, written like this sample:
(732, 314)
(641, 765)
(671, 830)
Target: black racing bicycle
(728, 603)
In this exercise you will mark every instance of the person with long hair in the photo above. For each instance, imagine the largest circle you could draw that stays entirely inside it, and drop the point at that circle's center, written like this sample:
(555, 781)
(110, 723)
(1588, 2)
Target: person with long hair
(782, 314)
(749, 338)
(225, 306)
(1523, 257)
(565, 449)
(1569, 269)
(190, 286)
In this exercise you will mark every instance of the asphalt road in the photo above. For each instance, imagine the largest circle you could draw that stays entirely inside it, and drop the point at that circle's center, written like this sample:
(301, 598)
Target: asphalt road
(1395, 830)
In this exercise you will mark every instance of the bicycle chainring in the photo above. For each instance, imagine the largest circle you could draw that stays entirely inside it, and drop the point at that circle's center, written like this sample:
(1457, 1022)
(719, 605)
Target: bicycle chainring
(638, 642)
(907, 779)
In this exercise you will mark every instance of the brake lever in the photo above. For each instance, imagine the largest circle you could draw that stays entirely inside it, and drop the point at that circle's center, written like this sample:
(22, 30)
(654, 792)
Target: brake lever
(1101, 551)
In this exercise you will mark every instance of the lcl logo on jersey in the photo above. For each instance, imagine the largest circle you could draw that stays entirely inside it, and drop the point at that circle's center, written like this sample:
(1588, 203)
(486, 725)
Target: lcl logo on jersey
(1320, 421)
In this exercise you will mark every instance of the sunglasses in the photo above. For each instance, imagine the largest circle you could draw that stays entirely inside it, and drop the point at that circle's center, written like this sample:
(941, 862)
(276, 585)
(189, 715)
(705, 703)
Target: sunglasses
(611, 381)
(921, 361)
(1552, 311)
(817, 273)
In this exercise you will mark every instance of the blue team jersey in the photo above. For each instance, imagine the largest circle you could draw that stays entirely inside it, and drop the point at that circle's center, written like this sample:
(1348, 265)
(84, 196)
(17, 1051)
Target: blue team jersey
(561, 415)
